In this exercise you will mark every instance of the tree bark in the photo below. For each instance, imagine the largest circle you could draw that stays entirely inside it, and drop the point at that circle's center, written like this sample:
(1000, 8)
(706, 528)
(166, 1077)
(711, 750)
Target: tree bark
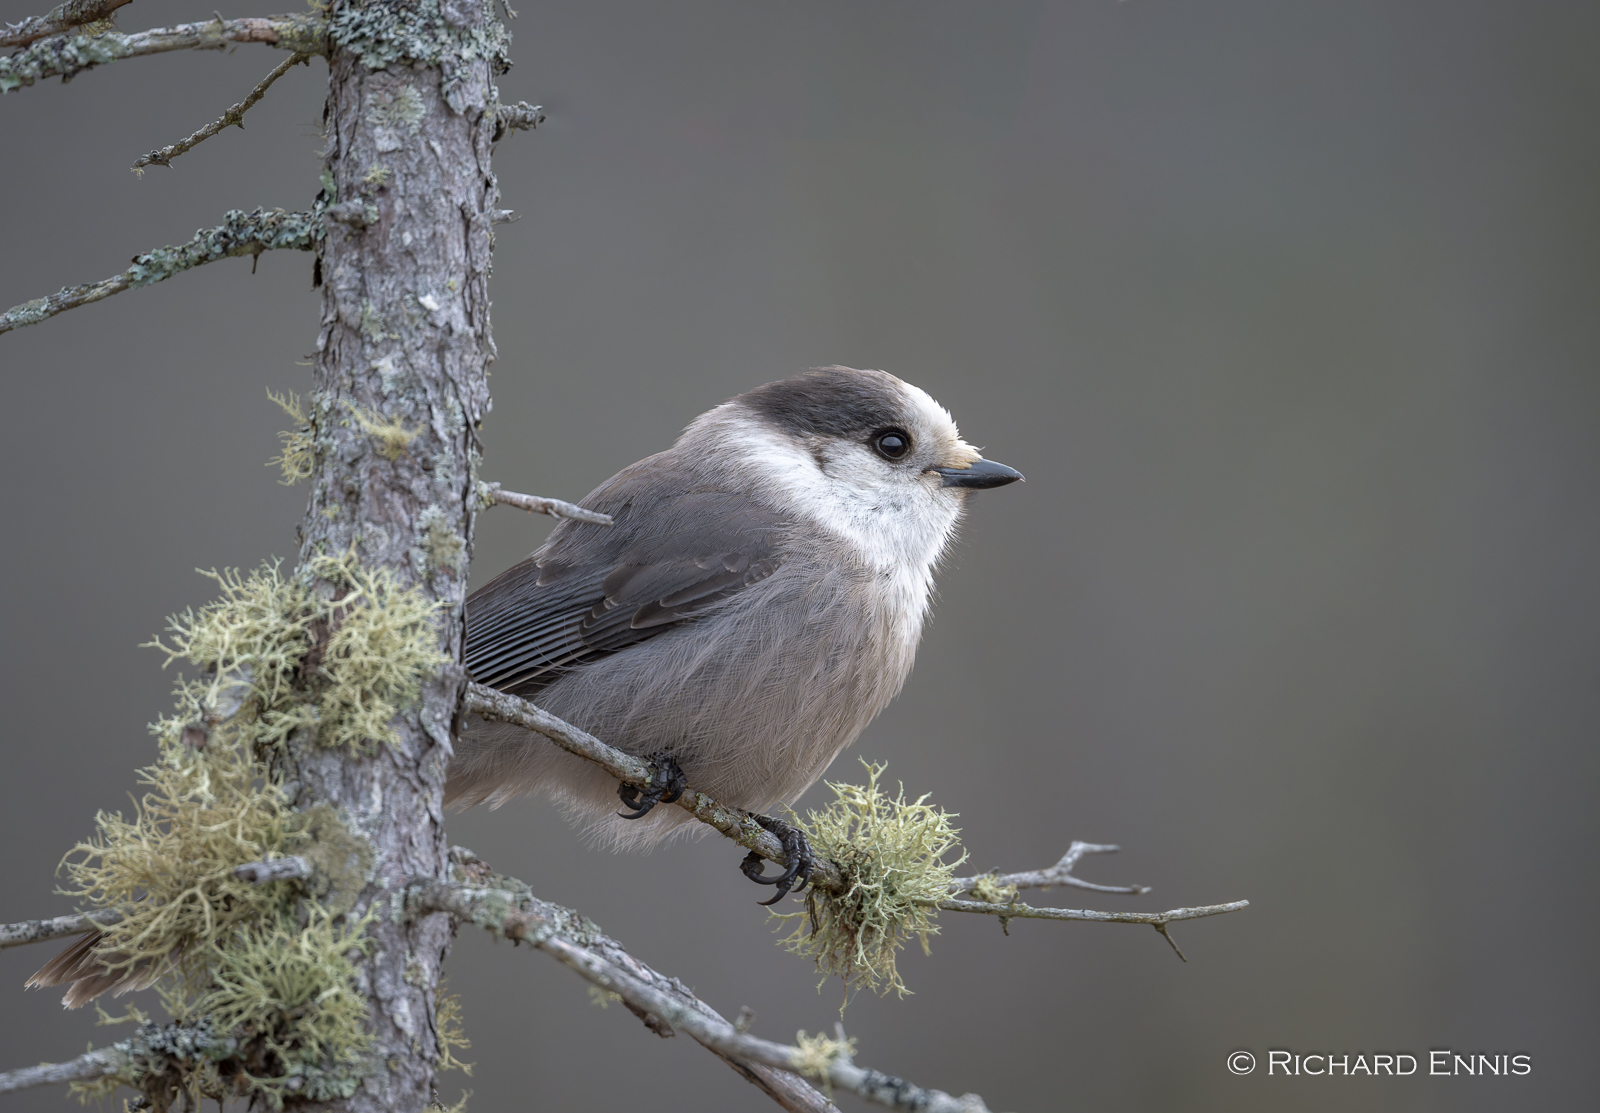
(404, 347)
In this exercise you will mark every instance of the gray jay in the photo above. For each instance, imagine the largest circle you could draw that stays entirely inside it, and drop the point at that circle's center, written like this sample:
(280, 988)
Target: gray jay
(757, 601)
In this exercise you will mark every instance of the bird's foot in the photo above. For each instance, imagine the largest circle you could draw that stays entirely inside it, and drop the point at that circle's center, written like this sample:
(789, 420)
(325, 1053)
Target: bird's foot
(797, 858)
(669, 785)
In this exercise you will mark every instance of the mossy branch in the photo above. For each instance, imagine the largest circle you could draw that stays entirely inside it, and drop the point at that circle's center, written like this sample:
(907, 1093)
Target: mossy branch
(62, 17)
(67, 55)
(126, 1060)
(42, 931)
(607, 965)
(240, 233)
(233, 117)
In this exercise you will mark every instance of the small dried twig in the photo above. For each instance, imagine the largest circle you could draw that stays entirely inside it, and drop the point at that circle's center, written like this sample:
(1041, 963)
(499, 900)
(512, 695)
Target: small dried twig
(62, 17)
(240, 233)
(1058, 874)
(605, 963)
(521, 116)
(537, 504)
(1157, 920)
(233, 116)
(67, 55)
(42, 931)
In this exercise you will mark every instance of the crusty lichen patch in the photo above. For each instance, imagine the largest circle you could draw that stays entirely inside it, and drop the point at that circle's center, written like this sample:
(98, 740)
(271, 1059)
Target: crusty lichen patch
(893, 856)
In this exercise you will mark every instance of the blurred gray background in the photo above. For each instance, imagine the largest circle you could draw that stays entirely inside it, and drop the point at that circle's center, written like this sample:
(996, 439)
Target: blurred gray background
(1287, 310)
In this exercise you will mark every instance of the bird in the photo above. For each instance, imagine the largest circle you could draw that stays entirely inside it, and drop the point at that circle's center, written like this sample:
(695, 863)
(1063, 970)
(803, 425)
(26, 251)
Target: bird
(757, 601)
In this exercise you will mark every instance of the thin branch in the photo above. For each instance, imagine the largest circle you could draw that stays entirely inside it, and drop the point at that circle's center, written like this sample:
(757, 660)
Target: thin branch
(1157, 920)
(1058, 874)
(67, 55)
(62, 17)
(605, 963)
(516, 914)
(537, 504)
(130, 1058)
(89, 1065)
(240, 233)
(233, 116)
(42, 931)
(735, 823)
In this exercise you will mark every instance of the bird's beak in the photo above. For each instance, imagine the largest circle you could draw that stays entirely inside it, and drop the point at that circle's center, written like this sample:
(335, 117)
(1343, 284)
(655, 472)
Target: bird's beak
(978, 475)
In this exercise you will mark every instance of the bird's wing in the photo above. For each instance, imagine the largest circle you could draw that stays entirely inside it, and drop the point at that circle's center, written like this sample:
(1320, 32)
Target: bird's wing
(593, 590)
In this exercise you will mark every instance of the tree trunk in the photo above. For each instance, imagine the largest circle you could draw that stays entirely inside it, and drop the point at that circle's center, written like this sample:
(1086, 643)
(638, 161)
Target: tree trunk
(401, 386)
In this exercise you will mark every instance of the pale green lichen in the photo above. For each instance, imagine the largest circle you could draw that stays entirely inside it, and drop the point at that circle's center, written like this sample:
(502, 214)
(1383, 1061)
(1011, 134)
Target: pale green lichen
(989, 890)
(263, 972)
(892, 855)
(298, 456)
(816, 1054)
(341, 662)
(390, 432)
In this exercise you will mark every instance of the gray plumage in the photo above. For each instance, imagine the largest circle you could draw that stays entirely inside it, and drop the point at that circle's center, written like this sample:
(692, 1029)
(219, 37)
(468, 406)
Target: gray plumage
(757, 601)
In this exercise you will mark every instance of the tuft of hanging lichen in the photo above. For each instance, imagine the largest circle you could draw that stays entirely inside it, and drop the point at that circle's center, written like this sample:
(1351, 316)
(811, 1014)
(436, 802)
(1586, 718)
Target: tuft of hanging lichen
(893, 856)
(341, 662)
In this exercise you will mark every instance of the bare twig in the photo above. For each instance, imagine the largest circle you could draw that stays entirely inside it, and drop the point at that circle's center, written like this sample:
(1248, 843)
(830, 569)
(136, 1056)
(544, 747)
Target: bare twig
(1058, 874)
(67, 55)
(576, 944)
(275, 869)
(1157, 920)
(42, 931)
(233, 116)
(556, 508)
(89, 1065)
(62, 17)
(240, 233)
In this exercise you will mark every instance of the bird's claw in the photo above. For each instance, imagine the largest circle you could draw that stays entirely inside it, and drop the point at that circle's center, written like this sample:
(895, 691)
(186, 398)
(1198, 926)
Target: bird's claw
(797, 858)
(669, 785)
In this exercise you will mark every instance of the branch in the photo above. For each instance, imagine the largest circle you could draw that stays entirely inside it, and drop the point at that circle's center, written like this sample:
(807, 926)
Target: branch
(1157, 920)
(556, 508)
(42, 931)
(62, 17)
(129, 1058)
(521, 116)
(1058, 874)
(89, 1065)
(604, 962)
(233, 116)
(735, 823)
(240, 233)
(67, 55)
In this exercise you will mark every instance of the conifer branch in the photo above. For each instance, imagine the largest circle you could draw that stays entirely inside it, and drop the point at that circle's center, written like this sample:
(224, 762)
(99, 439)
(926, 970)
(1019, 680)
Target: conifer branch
(62, 17)
(233, 116)
(42, 931)
(579, 945)
(240, 233)
(69, 54)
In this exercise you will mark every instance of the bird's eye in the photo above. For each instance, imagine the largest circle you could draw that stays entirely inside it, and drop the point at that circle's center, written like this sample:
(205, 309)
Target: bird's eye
(892, 443)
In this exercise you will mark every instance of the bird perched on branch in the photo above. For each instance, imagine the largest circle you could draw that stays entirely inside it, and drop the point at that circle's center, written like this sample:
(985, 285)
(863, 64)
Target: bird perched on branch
(757, 601)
